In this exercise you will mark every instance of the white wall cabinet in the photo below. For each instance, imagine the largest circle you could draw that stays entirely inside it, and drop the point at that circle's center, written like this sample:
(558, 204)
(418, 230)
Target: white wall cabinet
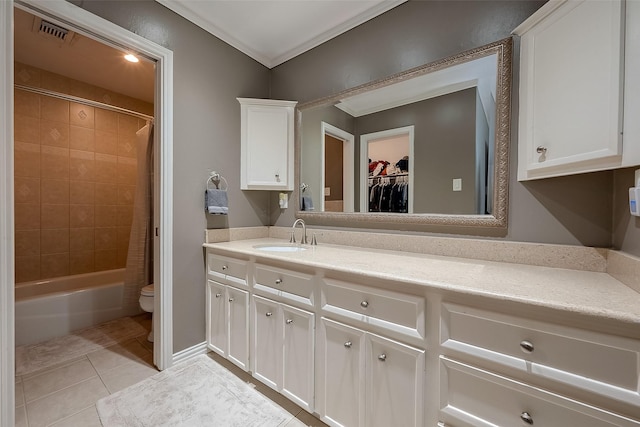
(227, 329)
(572, 63)
(267, 142)
(283, 349)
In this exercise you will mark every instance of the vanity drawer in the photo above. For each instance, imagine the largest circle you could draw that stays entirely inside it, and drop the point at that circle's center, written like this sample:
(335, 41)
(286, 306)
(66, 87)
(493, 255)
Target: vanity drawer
(559, 353)
(288, 284)
(387, 309)
(477, 398)
(229, 270)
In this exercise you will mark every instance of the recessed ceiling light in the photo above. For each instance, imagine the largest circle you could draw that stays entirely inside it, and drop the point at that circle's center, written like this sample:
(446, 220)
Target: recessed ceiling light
(131, 58)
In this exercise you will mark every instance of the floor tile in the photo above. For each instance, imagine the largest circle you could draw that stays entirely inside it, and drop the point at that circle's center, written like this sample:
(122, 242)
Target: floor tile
(128, 374)
(21, 417)
(57, 379)
(145, 343)
(65, 403)
(111, 357)
(35, 373)
(86, 418)
(19, 396)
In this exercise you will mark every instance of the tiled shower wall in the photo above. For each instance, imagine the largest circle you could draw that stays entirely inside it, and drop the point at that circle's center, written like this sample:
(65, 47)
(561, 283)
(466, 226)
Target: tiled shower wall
(75, 175)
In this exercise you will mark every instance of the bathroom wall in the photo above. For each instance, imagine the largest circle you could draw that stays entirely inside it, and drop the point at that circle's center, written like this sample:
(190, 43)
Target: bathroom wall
(75, 176)
(568, 210)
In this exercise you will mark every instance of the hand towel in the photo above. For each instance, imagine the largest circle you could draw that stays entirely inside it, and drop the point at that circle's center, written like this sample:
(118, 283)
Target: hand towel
(307, 203)
(216, 201)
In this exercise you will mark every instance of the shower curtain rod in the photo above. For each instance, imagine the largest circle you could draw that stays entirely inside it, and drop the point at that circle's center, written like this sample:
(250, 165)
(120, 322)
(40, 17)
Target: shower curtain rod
(82, 101)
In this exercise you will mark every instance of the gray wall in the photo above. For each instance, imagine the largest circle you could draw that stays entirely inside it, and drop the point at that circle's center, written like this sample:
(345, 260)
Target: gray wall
(208, 76)
(568, 210)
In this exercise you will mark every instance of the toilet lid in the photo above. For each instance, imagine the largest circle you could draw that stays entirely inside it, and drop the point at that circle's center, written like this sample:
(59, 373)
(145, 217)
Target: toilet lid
(147, 290)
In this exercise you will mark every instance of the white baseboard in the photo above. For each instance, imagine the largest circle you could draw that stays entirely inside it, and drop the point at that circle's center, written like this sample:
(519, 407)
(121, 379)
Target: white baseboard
(190, 352)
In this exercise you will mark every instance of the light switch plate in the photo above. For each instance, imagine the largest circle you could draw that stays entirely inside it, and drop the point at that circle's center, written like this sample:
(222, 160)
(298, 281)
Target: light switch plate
(327, 191)
(457, 184)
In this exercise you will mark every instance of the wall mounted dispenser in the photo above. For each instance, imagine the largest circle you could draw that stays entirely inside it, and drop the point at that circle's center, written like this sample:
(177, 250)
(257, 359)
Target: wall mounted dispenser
(634, 196)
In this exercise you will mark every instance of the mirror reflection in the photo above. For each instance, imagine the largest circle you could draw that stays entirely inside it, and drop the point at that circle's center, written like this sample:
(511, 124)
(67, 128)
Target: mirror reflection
(419, 143)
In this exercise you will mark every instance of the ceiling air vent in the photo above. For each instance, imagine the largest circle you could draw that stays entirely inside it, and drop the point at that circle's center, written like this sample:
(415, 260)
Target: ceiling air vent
(52, 31)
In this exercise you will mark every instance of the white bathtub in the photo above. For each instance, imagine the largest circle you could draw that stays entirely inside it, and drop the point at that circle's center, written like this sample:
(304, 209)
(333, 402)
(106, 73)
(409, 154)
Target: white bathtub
(54, 307)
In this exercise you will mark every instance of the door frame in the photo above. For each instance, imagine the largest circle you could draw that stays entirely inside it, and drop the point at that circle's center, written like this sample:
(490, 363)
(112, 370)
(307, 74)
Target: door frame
(107, 32)
(348, 165)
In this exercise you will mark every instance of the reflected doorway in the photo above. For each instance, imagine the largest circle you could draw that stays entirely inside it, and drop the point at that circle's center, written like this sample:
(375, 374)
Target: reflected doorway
(337, 170)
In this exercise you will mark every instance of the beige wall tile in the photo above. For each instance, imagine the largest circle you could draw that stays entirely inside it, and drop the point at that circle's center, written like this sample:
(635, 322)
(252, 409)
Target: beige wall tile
(26, 103)
(54, 134)
(27, 216)
(82, 240)
(106, 168)
(54, 216)
(127, 125)
(81, 138)
(126, 194)
(54, 241)
(106, 216)
(27, 243)
(82, 165)
(81, 262)
(26, 75)
(106, 142)
(106, 194)
(27, 268)
(81, 115)
(125, 215)
(106, 96)
(27, 190)
(105, 260)
(54, 162)
(27, 129)
(55, 191)
(54, 109)
(26, 159)
(127, 146)
(127, 170)
(106, 120)
(54, 82)
(82, 89)
(106, 238)
(54, 265)
(122, 246)
(81, 216)
(81, 192)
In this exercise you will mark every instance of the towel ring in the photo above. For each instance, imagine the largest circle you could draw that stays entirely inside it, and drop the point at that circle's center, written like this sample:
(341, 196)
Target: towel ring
(216, 179)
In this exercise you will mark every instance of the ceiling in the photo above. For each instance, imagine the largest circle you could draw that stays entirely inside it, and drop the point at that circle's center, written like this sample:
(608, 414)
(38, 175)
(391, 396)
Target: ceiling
(274, 31)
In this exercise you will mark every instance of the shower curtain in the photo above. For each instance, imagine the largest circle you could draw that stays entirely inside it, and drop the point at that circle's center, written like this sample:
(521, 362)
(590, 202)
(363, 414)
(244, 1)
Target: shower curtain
(139, 268)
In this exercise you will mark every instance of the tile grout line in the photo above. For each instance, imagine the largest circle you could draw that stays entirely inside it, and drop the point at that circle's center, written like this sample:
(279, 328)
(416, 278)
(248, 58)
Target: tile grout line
(59, 390)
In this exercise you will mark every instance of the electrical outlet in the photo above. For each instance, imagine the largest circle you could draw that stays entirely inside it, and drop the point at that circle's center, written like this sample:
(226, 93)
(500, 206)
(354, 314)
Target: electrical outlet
(327, 191)
(457, 184)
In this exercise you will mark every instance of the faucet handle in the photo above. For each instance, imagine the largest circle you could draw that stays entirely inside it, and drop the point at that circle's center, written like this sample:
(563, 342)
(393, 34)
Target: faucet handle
(314, 242)
(292, 238)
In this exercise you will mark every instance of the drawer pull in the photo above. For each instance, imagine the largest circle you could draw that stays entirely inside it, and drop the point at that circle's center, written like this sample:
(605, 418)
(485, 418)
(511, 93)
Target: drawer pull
(230, 299)
(269, 314)
(541, 150)
(224, 267)
(382, 357)
(348, 344)
(218, 295)
(289, 321)
(364, 304)
(526, 418)
(526, 346)
(278, 281)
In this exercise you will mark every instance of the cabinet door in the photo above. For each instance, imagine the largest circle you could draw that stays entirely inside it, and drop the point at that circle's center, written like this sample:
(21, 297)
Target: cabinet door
(266, 351)
(238, 309)
(571, 89)
(395, 383)
(341, 375)
(298, 351)
(216, 318)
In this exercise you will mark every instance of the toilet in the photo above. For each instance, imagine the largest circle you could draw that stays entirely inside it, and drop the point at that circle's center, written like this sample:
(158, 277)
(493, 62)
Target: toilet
(146, 303)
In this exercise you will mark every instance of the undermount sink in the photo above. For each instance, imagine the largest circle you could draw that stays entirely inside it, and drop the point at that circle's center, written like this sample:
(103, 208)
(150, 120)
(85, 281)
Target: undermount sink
(280, 248)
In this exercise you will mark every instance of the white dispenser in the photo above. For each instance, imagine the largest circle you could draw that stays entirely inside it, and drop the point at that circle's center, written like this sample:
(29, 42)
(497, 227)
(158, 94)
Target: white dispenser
(634, 196)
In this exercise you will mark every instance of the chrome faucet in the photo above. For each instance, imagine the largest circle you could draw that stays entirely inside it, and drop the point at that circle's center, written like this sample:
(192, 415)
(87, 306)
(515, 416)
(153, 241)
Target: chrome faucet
(303, 239)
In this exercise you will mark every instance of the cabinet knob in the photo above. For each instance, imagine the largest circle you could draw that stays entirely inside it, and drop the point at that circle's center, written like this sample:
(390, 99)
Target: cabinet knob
(278, 177)
(288, 321)
(382, 357)
(268, 314)
(218, 295)
(348, 344)
(230, 299)
(224, 267)
(278, 281)
(526, 418)
(526, 346)
(541, 150)
(364, 304)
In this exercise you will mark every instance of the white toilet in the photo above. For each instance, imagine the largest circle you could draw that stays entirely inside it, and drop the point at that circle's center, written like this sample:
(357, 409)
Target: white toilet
(146, 303)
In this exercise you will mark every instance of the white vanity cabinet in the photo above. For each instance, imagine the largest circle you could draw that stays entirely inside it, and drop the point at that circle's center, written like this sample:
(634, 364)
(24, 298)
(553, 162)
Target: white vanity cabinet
(571, 90)
(267, 142)
(498, 369)
(283, 349)
(368, 378)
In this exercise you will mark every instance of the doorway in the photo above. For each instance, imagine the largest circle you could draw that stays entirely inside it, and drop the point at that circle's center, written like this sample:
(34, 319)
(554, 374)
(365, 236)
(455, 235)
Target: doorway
(337, 169)
(67, 14)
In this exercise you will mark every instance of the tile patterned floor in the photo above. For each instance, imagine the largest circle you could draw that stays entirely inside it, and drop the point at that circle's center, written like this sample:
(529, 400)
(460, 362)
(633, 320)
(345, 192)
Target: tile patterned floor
(65, 394)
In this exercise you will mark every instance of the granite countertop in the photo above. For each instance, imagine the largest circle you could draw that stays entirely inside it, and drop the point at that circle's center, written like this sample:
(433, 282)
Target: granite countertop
(584, 292)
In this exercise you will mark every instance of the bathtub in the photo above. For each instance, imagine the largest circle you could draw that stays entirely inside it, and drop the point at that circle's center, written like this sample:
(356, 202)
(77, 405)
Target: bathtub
(49, 308)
